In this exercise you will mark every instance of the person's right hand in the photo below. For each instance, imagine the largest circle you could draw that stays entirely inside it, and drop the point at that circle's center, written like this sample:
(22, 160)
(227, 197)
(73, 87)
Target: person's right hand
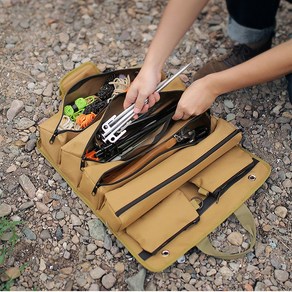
(141, 88)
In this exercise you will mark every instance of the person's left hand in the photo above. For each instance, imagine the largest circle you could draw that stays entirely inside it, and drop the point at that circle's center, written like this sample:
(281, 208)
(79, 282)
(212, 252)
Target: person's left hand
(197, 98)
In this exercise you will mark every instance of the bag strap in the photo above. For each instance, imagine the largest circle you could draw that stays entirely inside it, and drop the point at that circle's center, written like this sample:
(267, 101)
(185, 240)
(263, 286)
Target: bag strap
(246, 219)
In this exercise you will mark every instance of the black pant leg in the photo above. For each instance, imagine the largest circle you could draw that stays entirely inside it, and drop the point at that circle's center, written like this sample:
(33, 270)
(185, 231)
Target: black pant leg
(258, 14)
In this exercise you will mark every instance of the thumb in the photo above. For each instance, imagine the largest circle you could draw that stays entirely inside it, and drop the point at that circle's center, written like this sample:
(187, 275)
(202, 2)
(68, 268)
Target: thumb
(178, 114)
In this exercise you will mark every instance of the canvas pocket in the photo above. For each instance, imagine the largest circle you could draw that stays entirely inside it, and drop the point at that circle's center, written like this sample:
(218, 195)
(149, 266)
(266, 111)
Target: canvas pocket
(164, 222)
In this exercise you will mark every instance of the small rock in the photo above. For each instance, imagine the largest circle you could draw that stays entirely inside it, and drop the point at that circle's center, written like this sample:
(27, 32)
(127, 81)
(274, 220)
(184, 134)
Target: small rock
(49, 90)
(229, 103)
(281, 276)
(15, 108)
(59, 233)
(24, 123)
(26, 205)
(96, 229)
(11, 168)
(67, 270)
(27, 186)
(119, 268)
(42, 265)
(225, 272)
(11, 273)
(75, 220)
(136, 282)
(42, 207)
(91, 247)
(64, 37)
(97, 273)
(235, 238)
(60, 215)
(248, 287)
(108, 281)
(69, 285)
(45, 234)
(30, 145)
(29, 234)
(281, 211)
(230, 117)
(94, 287)
(5, 210)
(66, 255)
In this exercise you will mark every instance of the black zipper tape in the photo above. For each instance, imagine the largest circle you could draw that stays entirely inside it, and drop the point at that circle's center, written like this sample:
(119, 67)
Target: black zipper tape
(175, 176)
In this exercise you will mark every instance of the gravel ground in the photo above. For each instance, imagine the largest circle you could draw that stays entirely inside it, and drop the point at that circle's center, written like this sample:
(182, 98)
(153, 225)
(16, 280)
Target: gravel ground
(42, 40)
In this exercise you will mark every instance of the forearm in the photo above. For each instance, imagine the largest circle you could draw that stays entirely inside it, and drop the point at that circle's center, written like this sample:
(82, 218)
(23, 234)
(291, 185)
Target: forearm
(263, 68)
(176, 20)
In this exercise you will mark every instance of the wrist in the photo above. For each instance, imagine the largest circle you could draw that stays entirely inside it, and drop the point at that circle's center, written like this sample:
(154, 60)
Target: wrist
(215, 84)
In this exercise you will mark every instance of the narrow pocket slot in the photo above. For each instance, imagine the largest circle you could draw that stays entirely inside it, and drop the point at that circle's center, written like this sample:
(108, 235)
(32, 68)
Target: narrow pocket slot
(164, 222)
(231, 163)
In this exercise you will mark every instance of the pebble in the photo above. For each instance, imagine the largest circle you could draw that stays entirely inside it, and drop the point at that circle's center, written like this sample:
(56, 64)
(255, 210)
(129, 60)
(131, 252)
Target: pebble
(42, 207)
(136, 282)
(235, 238)
(119, 268)
(29, 234)
(281, 211)
(229, 103)
(108, 281)
(24, 123)
(281, 276)
(45, 234)
(75, 220)
(48, 90)
(230, 117)
(42, 265)
(30, 145)
(15, 108)
(60, 215)
(96, 229)
(97, 273)
(26, 205)
(27, 186)
(225, 272)
(5, 210)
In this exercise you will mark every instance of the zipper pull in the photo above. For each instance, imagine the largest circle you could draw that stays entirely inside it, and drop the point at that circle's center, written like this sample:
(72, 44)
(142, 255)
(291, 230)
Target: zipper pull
(52, 140)
(185, 134)
(97, 185)
(82, 163)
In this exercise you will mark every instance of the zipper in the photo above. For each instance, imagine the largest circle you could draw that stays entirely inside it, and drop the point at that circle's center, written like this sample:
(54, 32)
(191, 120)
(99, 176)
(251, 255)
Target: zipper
(235, 178)
(177, 175)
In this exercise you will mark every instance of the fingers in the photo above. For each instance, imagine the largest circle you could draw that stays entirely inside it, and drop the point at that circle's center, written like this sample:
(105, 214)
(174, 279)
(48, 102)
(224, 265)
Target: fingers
(130, 97)
(140, 101)
(180, 115)
(153, 98)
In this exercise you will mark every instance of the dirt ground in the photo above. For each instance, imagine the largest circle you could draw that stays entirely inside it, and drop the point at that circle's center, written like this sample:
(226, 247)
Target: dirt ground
(40, 41)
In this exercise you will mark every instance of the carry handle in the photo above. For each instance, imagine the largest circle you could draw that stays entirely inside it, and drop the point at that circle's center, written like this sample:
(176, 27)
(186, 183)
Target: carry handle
(246, 219)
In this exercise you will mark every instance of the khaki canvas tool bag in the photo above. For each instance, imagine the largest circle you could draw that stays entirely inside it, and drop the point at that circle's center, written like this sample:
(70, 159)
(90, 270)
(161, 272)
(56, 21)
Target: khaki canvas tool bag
(163, 195)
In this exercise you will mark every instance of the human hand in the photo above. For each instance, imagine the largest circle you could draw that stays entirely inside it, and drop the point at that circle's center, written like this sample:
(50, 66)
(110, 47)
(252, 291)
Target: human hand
(197, 98)
(143, 87)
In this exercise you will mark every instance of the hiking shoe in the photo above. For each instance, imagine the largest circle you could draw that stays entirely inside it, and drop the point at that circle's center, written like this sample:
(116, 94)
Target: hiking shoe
(239, 54)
